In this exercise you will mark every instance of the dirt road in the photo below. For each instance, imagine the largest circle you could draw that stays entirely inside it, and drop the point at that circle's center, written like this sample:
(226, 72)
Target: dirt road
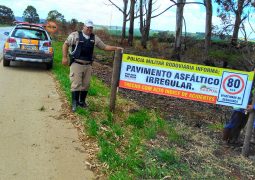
(34, 144)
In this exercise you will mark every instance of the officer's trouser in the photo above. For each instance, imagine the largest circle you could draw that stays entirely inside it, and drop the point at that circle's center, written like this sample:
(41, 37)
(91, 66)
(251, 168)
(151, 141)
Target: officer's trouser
(233, 128)
(80, 76)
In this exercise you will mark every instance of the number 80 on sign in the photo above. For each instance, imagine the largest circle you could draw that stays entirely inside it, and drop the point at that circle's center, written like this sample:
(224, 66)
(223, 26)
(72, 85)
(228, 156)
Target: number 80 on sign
(233, 84)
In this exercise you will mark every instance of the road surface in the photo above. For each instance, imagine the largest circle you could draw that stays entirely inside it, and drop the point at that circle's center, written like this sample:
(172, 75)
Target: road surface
(35, 142)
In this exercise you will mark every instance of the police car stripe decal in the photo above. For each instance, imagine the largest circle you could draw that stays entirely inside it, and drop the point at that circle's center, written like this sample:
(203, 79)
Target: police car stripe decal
(30, 41)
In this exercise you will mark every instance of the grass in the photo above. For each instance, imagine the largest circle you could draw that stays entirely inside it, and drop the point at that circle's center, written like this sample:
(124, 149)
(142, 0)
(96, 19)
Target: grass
(139, 144)
(5, 25)
(229, 56)
(216, 126)
(138, 119)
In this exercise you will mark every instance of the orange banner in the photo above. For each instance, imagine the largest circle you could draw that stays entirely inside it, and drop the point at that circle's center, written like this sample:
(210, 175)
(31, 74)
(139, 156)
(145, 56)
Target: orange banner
(168, 92)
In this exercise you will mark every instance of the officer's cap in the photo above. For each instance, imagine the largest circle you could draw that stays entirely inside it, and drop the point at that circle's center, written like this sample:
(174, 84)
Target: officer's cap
(89, 23)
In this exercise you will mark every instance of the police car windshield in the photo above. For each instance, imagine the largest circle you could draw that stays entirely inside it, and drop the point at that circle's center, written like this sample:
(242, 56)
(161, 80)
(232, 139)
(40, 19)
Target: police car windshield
(30, 34)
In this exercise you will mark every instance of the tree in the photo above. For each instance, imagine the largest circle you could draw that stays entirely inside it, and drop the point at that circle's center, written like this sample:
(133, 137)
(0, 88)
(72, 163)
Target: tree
(226, 10)
(131, 25)
(179, 20)
(208, 25)
(125, 17)
(178, 31)
(74, 24)
(6, 15)
(145, 22)
(30, 15)
(54, 15)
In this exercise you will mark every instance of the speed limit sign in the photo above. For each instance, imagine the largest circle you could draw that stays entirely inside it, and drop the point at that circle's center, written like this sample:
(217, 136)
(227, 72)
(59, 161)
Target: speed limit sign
(233, 84)
(232, 89)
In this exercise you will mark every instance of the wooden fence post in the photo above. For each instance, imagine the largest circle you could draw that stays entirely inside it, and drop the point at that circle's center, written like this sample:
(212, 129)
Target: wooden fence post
(248, 132)
(115, 78)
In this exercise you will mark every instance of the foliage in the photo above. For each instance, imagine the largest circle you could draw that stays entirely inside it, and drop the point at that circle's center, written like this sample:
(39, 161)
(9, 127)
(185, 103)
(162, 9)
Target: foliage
(54, 15)
(165, 36)
(74, 24)
(232, 14)
(30, 15)
(6, 15)
(231, 57)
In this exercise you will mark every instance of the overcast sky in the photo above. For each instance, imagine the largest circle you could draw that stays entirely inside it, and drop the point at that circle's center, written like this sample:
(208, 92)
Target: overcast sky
(103, 14)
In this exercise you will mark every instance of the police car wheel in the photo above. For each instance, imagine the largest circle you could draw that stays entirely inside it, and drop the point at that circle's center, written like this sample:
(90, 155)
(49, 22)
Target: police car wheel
(6, 62)
(49, 65)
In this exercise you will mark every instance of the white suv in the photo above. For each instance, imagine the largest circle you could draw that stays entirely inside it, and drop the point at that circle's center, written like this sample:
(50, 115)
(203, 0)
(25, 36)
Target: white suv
(30, 43)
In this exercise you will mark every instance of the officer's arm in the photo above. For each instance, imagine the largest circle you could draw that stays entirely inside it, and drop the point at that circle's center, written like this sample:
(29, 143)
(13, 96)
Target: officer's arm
(112, 48)
(64, 54)
(100, 44)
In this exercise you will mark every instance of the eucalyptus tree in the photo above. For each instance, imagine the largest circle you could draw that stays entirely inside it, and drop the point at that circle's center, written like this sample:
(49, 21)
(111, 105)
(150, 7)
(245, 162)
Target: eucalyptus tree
(178, 29)
(179, 23)
(30, 15)
(54, 15)
(125, 14)
(233, 13)
(6, 15)
(131, 22)
(145, 5)
(208, 25)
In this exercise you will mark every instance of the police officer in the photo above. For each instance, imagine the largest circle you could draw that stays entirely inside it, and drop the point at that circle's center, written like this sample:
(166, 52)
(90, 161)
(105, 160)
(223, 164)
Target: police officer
(82, 44)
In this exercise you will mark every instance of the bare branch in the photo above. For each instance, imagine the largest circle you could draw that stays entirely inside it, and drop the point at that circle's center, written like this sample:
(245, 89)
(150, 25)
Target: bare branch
(175, 4)
(116, 6)
(250, 23)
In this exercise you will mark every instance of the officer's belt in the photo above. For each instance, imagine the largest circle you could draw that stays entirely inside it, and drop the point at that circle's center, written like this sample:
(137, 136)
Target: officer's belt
(82, 62)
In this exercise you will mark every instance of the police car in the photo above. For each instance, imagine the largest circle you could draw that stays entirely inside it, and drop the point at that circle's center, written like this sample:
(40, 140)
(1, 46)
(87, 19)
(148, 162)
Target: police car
(29, 43)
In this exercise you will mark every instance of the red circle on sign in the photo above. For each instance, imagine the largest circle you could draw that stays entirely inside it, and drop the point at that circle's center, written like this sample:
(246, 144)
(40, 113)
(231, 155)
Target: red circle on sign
(233, 75)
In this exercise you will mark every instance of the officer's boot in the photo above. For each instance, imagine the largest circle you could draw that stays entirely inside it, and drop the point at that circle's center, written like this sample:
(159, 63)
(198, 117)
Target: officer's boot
(226, 134)
(82, 103)
(75, 99)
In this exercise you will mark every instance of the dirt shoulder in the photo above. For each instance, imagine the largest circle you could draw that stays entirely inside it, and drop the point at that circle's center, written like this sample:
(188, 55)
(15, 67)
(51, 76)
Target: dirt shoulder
(36, 140)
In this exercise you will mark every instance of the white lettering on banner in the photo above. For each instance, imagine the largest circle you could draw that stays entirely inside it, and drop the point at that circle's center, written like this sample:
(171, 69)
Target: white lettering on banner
(167, 82)
(149, 71)
(195, 78)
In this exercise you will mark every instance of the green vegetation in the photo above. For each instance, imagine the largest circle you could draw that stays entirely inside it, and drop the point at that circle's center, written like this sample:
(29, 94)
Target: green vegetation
(226, 55)
(216, 126)
(136, 143)
(5, 25)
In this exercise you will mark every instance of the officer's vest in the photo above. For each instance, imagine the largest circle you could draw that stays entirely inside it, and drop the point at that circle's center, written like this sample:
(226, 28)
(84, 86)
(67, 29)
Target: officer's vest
(85, 48)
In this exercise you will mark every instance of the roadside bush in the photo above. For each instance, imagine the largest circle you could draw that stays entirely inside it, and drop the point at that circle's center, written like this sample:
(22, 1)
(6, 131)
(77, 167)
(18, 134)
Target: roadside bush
(165, 36)
(103, 34)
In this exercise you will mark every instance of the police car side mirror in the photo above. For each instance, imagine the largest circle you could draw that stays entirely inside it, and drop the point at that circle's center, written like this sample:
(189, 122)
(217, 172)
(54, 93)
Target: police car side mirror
(6, 33)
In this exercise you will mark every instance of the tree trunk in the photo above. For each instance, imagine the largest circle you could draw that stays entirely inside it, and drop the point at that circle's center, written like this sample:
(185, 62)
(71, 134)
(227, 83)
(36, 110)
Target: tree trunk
(178, 31)
(123, 35)
(238, 13)
(208, 26)
(131, 26)
(142, 23)
(145, 24)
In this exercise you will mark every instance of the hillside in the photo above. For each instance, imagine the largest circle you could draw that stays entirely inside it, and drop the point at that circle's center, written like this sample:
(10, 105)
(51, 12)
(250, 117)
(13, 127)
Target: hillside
(157, 137)
(18, 18)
